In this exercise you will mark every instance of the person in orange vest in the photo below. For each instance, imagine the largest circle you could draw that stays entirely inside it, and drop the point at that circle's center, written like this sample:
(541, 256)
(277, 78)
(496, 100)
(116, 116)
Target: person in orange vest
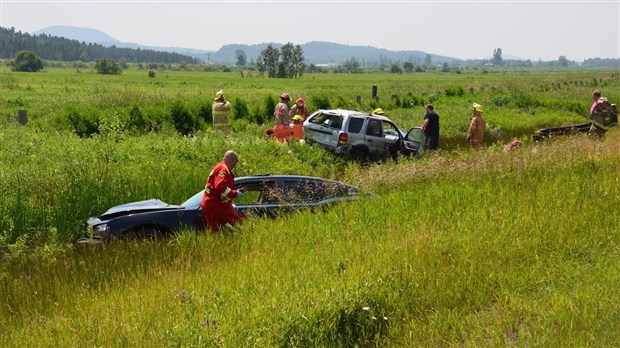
(217, 201)
(220, 109)
(300, 109)
(477, 126)
(281, 112)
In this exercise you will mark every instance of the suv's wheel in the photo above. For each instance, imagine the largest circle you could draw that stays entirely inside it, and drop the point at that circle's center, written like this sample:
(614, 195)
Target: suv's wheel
(359, 155)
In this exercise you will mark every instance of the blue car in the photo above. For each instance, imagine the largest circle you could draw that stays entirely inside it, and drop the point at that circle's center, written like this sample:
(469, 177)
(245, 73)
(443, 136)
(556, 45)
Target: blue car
(264, 195)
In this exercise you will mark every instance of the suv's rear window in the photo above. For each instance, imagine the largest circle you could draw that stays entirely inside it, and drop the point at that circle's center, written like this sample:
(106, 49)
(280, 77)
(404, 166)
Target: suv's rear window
(355, 124)
(333, 121)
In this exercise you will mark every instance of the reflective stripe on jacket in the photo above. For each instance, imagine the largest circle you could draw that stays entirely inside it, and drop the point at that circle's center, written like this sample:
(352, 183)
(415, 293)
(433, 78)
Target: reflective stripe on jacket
(219, 185)
(476, 129)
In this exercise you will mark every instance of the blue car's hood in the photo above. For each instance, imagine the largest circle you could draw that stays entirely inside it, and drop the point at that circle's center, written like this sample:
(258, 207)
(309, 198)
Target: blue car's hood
(137, 207)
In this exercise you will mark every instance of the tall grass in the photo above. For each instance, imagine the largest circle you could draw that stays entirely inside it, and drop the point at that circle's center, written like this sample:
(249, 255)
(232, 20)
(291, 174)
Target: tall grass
(462, 248)
(466, 249)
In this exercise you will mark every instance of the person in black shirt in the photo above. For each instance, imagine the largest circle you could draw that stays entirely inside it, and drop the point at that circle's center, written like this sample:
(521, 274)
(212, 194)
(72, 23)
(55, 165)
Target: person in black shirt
(431, 128)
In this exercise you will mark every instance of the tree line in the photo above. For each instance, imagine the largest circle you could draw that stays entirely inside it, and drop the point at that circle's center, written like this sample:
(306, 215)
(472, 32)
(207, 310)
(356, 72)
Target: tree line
(288, 62)
(61, 49)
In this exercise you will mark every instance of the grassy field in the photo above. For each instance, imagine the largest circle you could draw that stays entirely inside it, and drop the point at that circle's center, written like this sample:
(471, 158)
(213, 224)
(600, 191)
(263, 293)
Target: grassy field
(462, 248)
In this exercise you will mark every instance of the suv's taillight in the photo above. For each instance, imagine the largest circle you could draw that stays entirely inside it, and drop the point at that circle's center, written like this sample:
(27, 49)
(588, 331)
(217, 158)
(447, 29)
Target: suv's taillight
(343, 138)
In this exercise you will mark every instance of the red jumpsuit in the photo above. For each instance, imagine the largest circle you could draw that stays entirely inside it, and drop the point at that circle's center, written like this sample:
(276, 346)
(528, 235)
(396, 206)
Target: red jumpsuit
(218, 198)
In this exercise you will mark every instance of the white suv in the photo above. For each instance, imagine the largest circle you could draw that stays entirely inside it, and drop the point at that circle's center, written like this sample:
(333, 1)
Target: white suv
(361, 135)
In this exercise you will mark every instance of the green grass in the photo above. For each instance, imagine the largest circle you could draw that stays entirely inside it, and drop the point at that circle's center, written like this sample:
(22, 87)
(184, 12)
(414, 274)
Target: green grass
(509, 250)
(462, 248)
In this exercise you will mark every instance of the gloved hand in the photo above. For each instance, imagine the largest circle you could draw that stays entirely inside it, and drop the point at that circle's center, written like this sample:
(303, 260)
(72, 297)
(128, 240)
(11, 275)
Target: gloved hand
(239, 193)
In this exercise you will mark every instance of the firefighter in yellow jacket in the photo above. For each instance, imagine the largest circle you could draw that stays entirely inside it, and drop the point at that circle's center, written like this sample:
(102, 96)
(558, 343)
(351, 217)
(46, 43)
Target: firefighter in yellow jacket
(221, 109)
(477, 126)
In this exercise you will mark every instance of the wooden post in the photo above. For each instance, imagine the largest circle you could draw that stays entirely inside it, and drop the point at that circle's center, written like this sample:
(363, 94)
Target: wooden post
(374, 92)
(22, 116)
(359, 99)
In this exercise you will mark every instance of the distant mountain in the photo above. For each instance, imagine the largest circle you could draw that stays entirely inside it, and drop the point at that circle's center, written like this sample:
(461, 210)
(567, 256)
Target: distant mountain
(96, 36)
(81, 34)
(315, 52)
(328, 53)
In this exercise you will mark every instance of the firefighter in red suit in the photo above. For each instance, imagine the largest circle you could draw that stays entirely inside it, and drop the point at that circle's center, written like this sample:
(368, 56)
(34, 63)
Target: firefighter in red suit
(217, 201)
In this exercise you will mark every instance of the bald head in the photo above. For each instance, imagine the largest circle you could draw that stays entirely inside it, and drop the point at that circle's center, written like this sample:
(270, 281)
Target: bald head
(230, 159)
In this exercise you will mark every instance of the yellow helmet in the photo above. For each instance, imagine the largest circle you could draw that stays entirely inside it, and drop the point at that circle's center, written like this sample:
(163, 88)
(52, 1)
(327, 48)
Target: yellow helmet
(379, 111)
(297, 118)
(219, 94)
(476, 107)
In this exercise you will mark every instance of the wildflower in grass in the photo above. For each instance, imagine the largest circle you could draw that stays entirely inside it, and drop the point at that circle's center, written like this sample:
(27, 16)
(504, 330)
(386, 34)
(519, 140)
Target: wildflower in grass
(184, 295)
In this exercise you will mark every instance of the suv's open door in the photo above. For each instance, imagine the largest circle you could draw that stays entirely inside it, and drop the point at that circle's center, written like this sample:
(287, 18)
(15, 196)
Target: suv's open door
(413, 143)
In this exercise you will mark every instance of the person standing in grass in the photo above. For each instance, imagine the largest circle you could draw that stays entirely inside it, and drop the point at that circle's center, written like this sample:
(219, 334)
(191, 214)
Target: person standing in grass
(221, 108)
(477, 126)
(602, 115)
(595, 95)
(281, 113)
(217, 201)
(431, 129)
(300, 109)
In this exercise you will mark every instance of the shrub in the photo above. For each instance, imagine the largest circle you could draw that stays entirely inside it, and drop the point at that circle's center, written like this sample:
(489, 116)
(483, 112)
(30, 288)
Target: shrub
(269, 105)
(412, 100)
(346, 103)
(85, 123)
(205, 113)
(137, 120)
(320, 102)
(240, 109)
(107, 66)
(27, 61)
(259, 115)
(397, 101)
(182, 120)
(456, 91)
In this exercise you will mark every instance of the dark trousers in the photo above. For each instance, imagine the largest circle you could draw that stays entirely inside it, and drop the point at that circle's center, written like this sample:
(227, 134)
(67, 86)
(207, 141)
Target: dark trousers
(431, 142)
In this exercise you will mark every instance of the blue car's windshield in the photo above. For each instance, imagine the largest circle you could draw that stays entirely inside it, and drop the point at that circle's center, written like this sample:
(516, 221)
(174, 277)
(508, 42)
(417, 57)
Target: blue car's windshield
(194, 201)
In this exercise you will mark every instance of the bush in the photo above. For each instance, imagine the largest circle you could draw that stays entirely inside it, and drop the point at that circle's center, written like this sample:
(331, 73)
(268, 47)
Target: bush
(269, 104)
(27, 61)
(85, 123)
(258, 115)
(205, 113)
(320, 102)
(137, 120)
(240, 109)
(107, 66)
(457, 91)
(346, 103)
(183, 120)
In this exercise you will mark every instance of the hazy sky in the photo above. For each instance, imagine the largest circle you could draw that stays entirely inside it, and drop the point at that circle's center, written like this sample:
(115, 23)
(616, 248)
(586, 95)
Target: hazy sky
(463, 29)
